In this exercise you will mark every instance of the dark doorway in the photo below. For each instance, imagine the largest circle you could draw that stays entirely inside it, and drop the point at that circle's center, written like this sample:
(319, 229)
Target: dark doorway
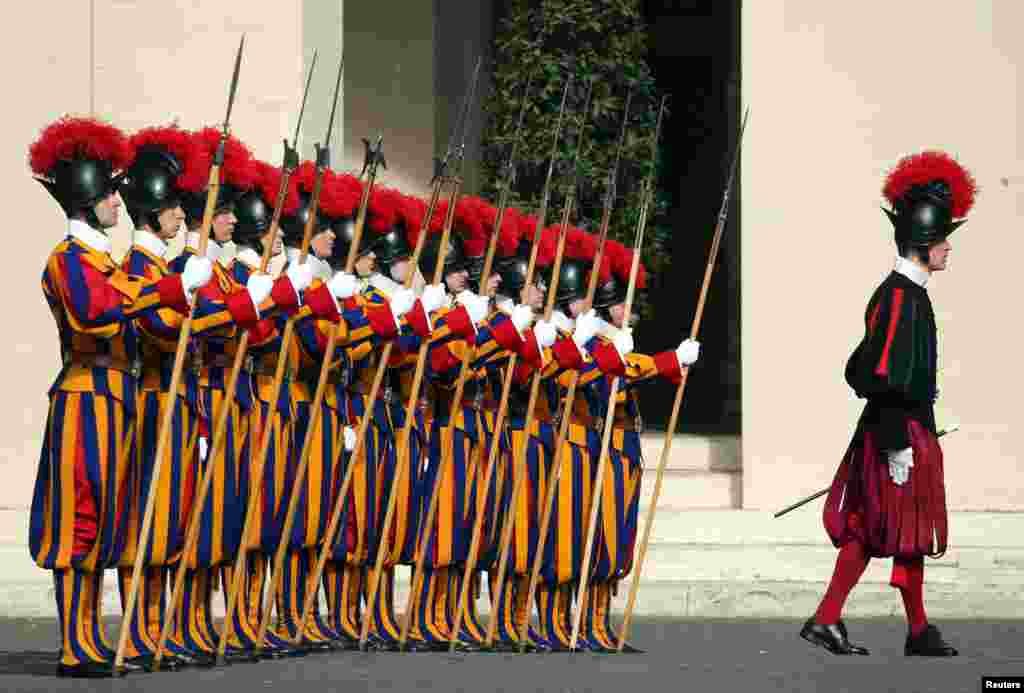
(694, 53)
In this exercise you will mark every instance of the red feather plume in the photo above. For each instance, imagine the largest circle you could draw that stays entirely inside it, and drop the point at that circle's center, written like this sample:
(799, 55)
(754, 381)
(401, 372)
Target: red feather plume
(269, 185)
(470, 223)
(305, 178)
(580, 245)
(918, 169)
(347, 193)
(74, 138)
(511, 230)
(620, 260)
(238, 169)
(437, 221)
(383, 209)
(195, 159)
(411, 213)
(548, 245)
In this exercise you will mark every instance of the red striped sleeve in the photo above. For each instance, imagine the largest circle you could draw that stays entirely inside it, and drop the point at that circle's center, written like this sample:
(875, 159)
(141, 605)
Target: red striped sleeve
(894, 321)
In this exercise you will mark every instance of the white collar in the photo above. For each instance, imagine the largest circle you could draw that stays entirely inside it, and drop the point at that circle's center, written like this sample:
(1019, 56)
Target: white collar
(504, 304)
(151, 242)
(912, 271)
(214, 250)
(321, 268)
(607, 330)
(563, 321)
(385, 285)
(97, 240)
(249, 257)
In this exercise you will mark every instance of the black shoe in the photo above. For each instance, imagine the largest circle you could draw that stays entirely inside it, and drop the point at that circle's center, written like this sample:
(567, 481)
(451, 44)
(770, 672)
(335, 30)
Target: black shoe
(630, 649)
(86, 670)
(831, 636)
(928, 643)
(191, 658)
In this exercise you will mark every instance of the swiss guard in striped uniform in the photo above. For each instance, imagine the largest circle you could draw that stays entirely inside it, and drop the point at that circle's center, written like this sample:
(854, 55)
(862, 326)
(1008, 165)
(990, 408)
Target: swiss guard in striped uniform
(457, 446)
(533, 446)
(888, 497)
(168, 162)
(365, 326)
(392, 249)
(223, 513)
(612, 352)
(255, 210)
(82, 498)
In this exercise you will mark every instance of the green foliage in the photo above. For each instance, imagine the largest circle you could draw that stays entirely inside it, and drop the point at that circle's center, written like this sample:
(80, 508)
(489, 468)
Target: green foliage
(600, 40)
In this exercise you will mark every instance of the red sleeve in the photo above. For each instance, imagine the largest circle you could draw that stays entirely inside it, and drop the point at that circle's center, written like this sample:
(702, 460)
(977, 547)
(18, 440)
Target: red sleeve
(567, 354)
(667, 364)
(242, 309)
(608, 359)
(382, 320)
(505, 334)
(261, 332)
(172, 293)
(460, 324)
(443, 360)
(418, 320)
(522, 373)
(530, 350)
(321, 302)
(284, 294)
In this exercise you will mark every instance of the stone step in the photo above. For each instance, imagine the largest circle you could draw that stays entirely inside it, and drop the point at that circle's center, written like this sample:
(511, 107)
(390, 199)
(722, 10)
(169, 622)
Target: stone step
(693, 452)
(685, 489)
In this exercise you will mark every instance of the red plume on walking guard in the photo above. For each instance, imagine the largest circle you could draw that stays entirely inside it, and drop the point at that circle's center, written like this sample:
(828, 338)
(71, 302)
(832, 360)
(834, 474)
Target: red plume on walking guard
(930, 194)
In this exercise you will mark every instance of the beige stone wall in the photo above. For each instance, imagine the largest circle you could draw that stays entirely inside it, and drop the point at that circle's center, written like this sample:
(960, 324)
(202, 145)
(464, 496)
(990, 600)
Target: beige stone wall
(839, 92)
(154, 63)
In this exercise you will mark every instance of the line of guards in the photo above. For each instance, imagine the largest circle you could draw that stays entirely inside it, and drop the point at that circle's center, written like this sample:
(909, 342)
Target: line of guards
(119, 324)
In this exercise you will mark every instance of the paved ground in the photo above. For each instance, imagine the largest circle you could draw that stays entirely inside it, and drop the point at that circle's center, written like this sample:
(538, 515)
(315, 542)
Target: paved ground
(690, 656)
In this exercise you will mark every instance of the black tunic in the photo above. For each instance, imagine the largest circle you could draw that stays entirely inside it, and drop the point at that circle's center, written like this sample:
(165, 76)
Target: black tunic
(894, 366)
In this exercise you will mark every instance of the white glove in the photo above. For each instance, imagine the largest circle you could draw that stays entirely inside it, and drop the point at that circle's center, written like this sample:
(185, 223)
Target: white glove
(259, 285)
(900, 462)
(522, 318)
(350, 438)
(301, 276)
(402, 302)
(545, 333)
(587, 326)
(204, 447)
(623, 343)
(343, 285)
(688, 352)
(478, 307)
(198, 271)
(434, 296)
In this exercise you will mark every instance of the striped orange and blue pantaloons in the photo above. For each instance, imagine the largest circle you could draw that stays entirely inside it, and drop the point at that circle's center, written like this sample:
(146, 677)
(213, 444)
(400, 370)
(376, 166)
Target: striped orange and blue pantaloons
(405, 521)
(492, 503)
(275, 477)
(174, 494)
(81, 501)
(563, 550)
(80, 505)
(311, 519)
(220, 523)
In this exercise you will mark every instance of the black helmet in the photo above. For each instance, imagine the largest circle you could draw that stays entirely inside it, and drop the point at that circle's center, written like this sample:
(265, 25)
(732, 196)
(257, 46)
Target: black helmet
(344, 233)
(293, 226)
(454, 259)
(512, 269)
(254, 216)
(149, 184)
(67, 162)
(572, 281)
(930, 193)
(391, 247)
(610, 293)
